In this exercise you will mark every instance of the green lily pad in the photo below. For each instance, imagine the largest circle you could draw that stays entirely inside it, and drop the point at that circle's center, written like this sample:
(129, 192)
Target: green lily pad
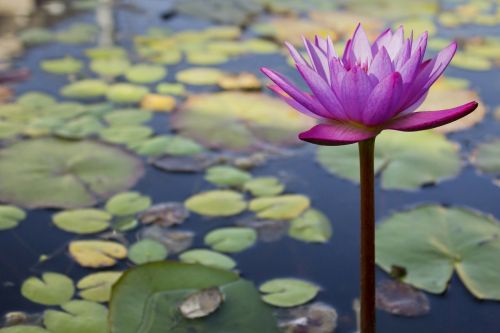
(64, 174)
(208, 258)
(10, 129)
(10, 216)
(23, 329)
(405, 161)
(128, 203)
(171, 89)
(77, 317)
(85, 89)
(217, 203)
(284, 207)
(144, 73)
(127, 135)
(147, 298)
(232, 239)
(237, 12)
(52, 289)
(313, 226)
(78, 33)
(110, 67)
(147, 250)
(96, 287)
(239, 121)
(82, 221)
(126, 93)
(100, 53)
(264, 186)
(125, 223)
(226, 176)
(36, 100)
(199, 76)
(128, 117)
(431, 242)
(486, 158)
(288, 292)
(34, 36)
(206, 58)
(167, 57)
(62, 66)
(79, 128)
(167, 145)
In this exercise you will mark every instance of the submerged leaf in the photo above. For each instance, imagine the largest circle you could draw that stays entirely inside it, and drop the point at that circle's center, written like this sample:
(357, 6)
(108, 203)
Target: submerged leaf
(401, 299)
(314, 318)
(52, 289)
(201, 303)
(231, 239)
(165, 214)
(431, 241)
(288, 292)
(96, 253)
(217, 203)
(175, 241)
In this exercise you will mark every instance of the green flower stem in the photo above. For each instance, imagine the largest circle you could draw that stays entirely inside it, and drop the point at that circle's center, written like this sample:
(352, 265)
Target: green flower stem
(366, 160)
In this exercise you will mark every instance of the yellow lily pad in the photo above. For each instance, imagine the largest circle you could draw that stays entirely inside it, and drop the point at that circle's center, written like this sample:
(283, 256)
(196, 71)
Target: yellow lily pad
(199, 76)
(284, 207)
(154, 102)
(96, 253)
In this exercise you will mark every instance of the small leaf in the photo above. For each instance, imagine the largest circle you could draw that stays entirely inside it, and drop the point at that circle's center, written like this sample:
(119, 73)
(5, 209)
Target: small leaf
(52, 289)
(126, 93)
(85, 89)
(126, 117)
(226, 176)
(264, 186)
(208, 258)
(126, 134)
(285, 207)
(177, 89)
(10, 216)
(147, 250)
(127, 203)
(96, 287)
(158, 103)
(199, 76)
(231, 239)
(201, 303)
(217, 203)
(96, 253)
(288, 292)
(66, 65)
(312, 226)
(145, 73)
(82, 221)
(110, 67)
(77, 317)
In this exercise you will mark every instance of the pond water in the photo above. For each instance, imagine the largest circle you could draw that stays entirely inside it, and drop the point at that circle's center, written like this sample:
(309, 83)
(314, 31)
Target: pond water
(332, 265)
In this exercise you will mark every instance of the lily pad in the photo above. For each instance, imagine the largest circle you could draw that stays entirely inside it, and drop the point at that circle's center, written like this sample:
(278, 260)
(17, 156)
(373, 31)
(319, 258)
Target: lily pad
(78, 317)
(127, 135)
(226, 176)
(65, 174)
(128, 117)
(147, 250)
(150, 295)
(231, 239)
(208, 258)
(110, 67)
(36, 100)
(241, 81)
(187, 164)
(199, 76)
(175, 241)
(205, 57)
(144, 73)
(127, 203)
(23, 329)
(85, 89)
(239, 121)
(82, 221)
(10, 216)
(431, 242)
(126, 93)
(97, 253)
(173, 145)
(236, 12)
(158, 103)
(165, 214)
(284, 207)
(288, 292)
(52, 289)
(96, 287)
(217, 203)
(313, 226)
(401, 299)
(79, 128)
(106, 53)
(264, 186)
(177, 89)
(66, 65)
(486, 158)
(405, 161)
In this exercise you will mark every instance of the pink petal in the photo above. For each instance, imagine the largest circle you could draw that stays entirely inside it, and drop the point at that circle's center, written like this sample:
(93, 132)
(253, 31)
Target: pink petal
(326, 46)
(440, 62)
(361, 47)
(403, 55)
(382, 40)
(337, 73)
(396, 43)
(409, 69)
(429, 119)
(336, 134)
(302, 98)
(297, 57)
(346, 57)
(421, 44)
(355, 89)
(318, 59)
(381, 103)
(323, 92)
(381, 65)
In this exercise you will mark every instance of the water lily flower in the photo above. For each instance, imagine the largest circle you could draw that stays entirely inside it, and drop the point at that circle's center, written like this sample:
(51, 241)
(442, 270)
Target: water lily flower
(372, 87)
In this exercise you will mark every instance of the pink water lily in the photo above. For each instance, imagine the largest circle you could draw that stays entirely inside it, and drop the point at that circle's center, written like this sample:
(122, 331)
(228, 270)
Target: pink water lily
(372, 87)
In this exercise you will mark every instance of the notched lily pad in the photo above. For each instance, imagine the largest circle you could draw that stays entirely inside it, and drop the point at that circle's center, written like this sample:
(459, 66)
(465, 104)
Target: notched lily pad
(431, 242)
(284, 207)
(82, 221)
(78, 317)
(264, 186)
(227, 176)
(147, 250)
(201, 303)
(127, 203)
(313, 226)
(231, 239)
(10, 216)
(288, 292)
(126, 93)
(64, 174)
(66, 65)
(85, 89)
(401, 299)
(52, 289)
(217, 203)
(208, 258)
(97, 253)
(96, 287)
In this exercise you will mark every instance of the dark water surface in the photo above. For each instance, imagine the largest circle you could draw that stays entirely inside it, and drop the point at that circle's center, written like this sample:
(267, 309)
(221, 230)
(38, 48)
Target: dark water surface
(334, 265)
